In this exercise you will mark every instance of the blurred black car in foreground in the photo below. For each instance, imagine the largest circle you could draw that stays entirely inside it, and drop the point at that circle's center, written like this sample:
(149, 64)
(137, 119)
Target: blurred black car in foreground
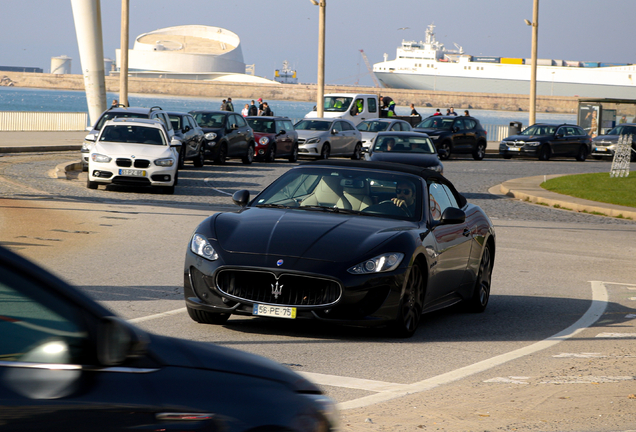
(544, 141)
(605, 145)
(455, 134)
(353, 242)
(411, 148)
(68, 364)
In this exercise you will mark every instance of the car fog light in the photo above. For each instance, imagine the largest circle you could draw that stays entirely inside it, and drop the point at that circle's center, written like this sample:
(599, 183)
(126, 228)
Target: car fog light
(261, 152)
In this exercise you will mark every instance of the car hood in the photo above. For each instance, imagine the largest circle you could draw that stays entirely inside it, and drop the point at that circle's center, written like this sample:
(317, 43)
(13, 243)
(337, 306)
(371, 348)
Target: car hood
(259, 135)
(311, 133)
(525, 138)
(215, 130)
(305, 234)
(605, 139)
(417, 159)
(429, 131)
(205, 355)
(147, 151)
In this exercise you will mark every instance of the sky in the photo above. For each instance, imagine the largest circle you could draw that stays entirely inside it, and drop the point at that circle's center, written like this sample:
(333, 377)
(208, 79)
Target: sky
(33, 31)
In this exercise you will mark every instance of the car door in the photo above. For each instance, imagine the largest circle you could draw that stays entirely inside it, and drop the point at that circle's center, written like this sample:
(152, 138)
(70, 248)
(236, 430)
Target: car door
(459, 135)
(233, 136)
(285, 140)
(471, 133)
(450, 250)
(351, 135)
(50, 378)
(338, 138)
(562, 143)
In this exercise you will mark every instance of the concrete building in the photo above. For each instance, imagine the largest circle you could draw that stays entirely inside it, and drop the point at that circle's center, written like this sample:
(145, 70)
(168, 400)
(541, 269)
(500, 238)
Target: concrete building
(189, 52)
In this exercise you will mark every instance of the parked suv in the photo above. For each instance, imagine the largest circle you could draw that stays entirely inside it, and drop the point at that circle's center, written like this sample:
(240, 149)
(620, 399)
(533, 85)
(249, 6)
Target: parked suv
(455, 134)
(226, 135)
(275, 137)
(190, 134)
(605, 145)
(123, 112)
(544, 141)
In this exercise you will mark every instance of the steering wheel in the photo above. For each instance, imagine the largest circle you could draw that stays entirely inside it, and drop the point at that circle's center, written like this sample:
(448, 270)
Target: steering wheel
(388, 208)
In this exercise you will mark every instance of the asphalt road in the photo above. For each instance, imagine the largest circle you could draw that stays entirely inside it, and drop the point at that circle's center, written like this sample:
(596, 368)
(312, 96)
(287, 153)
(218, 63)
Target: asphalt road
(125, 247)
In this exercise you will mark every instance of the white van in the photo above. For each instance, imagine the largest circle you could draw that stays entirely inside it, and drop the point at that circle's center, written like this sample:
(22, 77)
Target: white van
(351, 106)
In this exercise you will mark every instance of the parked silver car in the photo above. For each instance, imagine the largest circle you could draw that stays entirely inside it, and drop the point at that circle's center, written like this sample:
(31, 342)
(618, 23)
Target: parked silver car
(320, 138)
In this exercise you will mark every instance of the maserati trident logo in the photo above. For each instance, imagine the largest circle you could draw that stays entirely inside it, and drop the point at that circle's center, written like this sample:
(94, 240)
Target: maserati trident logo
(277, 290)
(279, 262)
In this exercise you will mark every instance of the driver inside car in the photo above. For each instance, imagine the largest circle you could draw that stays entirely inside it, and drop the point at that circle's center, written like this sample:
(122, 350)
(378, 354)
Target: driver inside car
(405, 197)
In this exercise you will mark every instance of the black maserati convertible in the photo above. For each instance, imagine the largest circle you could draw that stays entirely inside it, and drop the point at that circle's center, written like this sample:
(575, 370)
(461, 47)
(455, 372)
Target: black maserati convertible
(352, 242)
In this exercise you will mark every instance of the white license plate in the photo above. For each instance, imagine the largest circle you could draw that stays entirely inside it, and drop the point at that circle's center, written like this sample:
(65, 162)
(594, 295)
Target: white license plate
(132, 172)
(274, 311)
(514, 148)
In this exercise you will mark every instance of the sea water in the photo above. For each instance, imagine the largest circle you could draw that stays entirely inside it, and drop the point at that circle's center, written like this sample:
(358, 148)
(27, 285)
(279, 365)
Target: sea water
(45, 100)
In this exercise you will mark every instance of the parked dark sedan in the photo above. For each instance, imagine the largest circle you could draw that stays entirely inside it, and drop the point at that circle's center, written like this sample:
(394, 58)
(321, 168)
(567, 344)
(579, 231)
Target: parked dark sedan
(275, 138)
(190, 134)
(357, 242)
(227, 135)
(68, 364)
(605, 145)
(411, 148)
(455, 135)
(544, 141)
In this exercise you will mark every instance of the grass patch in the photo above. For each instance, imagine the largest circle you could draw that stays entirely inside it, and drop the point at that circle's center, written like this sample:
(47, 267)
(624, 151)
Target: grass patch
(596, 187)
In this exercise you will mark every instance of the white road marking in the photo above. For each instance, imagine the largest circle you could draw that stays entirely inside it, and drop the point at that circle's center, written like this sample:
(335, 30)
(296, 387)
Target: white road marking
(208, 180)
(580, 355)
(616, 335)
(353, 383)
(587, 379)
(159, 315)
(509, 380)
(630, 316)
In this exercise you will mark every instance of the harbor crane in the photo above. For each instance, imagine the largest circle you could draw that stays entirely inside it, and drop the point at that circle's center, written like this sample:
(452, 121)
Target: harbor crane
(366, 61)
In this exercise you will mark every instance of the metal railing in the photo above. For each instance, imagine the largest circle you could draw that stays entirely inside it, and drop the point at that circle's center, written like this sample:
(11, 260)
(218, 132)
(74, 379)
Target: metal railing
(23, 121)
(496, 132)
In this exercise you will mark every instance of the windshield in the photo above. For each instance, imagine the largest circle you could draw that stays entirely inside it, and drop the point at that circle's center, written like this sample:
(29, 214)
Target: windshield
(261, 125)
(437, 123)
(209, 120)
(132, 135)
(404, 144)
(345, 190)
(313, 125)
(112, 115)
(623, 130)
(373, 126)
(539, 130)
(337, 104)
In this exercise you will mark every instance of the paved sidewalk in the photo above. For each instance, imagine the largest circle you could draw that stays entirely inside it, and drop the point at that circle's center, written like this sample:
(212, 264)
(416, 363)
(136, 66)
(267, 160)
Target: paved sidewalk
(19, 142)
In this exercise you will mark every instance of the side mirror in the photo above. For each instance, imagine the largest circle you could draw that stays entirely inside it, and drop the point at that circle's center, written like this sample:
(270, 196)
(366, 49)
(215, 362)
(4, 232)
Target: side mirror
(118, 340)
(282, 132)
(333, 131)
(90, 137)
(452, 216)
(174, 142)
(186, 129)
(241, 198)
(88, 128)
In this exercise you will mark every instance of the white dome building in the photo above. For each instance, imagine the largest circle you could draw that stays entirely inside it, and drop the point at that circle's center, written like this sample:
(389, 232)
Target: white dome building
(189, 52)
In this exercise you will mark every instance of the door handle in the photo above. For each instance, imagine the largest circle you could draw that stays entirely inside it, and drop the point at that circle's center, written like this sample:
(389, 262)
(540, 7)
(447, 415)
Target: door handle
(466, 232)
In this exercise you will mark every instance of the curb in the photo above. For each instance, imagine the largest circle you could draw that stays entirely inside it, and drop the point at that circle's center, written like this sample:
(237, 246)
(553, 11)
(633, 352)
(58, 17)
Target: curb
(563, 202)
(38, 149)
(62, 170)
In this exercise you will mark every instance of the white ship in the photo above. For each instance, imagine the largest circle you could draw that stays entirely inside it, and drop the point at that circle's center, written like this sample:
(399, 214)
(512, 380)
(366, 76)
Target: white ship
(429, 66)
(286, 75)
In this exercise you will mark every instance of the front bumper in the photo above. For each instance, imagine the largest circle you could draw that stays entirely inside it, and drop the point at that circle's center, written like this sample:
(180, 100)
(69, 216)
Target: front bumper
(111, 173)
(602, 151)
(518, 150)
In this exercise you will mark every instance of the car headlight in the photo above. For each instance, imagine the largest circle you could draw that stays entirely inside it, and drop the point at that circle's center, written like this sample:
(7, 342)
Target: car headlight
(612, 146)
(202, 247)
(313, 140)
(86, 147)
(436, 168)
(533, 143)
(96, 157)
(381, 263)
(327, 407)
(263, 141)
(210, 136)
(166, 162)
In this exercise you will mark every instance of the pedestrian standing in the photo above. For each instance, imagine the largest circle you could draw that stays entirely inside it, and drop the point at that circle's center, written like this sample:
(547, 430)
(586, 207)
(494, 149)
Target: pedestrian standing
(452, 112)
(253, 111)
(437, 112)
(466, 113)
(229, 105)
(224, 105)
(260, 106)
(245, 111)
(266, 110)
(115, 104)
(414, 111)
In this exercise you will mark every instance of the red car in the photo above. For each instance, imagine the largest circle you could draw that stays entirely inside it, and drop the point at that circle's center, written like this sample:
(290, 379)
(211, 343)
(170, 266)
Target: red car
(275, 138)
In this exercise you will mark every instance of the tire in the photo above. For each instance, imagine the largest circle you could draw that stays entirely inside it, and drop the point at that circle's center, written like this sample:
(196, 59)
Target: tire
(271, 154)
(221, 156)
(249, 156)
(168, 190)
(357, 152)
(445, 146)
(294, 156)
(481, 293)
(199, 160)
(410, 309)
(582, 154)
(205, 317)
(597, 157)
(544, 152)
(181, 157)
(480, 151)
(325, 151)
(507, 156)
(91, 184)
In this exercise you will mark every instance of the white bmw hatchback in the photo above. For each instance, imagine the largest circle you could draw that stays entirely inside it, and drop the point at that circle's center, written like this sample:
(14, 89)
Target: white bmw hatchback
(134, 152)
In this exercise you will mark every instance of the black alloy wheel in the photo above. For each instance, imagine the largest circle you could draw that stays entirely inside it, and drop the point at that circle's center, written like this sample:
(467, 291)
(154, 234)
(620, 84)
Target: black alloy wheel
(480, 151)
(544, 152)
(582, 154)
(294, 155)
(205, 317)
(249, 156)
(410, 309)
(221, 156)
(199, 160)
(481, 294)
(324, 152)
(271, 153)
(357, 152)
(446, 145)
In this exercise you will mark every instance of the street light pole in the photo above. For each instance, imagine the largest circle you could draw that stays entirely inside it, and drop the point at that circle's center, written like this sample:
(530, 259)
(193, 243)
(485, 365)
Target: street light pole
(533, 76)
(320, 105)
(123, 61)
